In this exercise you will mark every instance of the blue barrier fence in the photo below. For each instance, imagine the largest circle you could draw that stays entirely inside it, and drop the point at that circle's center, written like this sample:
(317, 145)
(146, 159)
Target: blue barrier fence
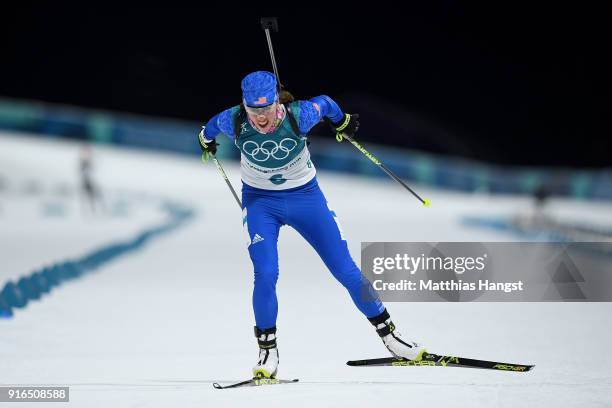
(16, 294)
(180, 136)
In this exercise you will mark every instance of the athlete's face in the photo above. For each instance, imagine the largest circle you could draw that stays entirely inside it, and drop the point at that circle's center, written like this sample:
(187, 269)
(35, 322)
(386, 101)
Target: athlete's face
(264, 117)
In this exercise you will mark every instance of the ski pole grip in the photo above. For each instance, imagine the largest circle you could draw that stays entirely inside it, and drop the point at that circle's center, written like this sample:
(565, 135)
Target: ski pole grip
(269, 23)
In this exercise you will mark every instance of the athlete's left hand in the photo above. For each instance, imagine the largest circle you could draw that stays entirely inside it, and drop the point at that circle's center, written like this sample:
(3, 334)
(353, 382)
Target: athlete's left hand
(348, 125)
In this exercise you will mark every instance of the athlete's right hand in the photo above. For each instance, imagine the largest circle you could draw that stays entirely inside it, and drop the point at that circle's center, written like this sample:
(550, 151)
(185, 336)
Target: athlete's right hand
(207, 146)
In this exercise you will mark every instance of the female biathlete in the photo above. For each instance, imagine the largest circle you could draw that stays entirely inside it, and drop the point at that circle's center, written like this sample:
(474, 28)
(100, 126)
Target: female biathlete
(280, 188)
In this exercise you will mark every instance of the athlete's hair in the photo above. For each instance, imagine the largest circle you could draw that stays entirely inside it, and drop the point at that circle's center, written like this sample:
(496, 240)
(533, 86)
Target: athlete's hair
(284, 96)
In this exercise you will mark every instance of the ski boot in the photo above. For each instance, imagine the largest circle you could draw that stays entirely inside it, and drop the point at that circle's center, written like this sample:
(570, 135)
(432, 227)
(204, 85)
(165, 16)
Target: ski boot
(392, 339)
(267, 366)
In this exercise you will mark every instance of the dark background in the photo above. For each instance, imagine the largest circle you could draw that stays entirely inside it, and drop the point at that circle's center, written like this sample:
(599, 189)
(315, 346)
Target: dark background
(506, 83)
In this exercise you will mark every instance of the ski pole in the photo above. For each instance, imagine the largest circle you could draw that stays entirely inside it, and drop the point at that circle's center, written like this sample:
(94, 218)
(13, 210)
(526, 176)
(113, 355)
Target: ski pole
(270, 23)
(384, 168)
(222, 172)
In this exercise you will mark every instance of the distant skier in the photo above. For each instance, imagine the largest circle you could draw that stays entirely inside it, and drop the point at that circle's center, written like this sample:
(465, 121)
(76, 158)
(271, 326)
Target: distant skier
(280, 188)
(89, 191)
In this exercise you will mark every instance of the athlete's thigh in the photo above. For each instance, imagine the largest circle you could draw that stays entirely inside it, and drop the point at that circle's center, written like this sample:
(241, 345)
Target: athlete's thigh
(318, 224)
(261, 225)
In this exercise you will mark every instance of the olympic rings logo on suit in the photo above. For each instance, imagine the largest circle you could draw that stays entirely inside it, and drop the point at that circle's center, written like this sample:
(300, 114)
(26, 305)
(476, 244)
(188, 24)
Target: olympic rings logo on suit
(269, 148)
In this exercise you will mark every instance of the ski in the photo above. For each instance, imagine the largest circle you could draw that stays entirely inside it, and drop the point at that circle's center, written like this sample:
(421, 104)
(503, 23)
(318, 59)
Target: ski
(255, 382)
(443, 361)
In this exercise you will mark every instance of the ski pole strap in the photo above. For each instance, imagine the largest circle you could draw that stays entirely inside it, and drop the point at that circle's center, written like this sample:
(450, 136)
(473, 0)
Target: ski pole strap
(339, 129)
(347, 119)
(205, 157)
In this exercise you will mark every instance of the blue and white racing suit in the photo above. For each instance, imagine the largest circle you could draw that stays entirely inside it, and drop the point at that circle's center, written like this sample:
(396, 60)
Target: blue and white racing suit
(280, 188)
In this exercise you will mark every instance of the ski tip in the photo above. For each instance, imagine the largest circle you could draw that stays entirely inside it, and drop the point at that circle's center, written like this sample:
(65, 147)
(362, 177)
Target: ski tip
(516, 368)
(426, 203)
(217, 386)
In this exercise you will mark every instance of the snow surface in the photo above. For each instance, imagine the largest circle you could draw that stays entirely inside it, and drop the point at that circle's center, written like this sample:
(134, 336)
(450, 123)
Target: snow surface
(156, 327)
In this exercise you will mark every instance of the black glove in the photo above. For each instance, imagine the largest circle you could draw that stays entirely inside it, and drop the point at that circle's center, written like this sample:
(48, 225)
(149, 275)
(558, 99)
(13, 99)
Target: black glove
(207, 147)
(348, 125)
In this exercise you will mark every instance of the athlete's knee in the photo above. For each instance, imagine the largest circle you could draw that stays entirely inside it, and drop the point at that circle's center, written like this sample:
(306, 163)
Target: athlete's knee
(349, 276)
(266, 277)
